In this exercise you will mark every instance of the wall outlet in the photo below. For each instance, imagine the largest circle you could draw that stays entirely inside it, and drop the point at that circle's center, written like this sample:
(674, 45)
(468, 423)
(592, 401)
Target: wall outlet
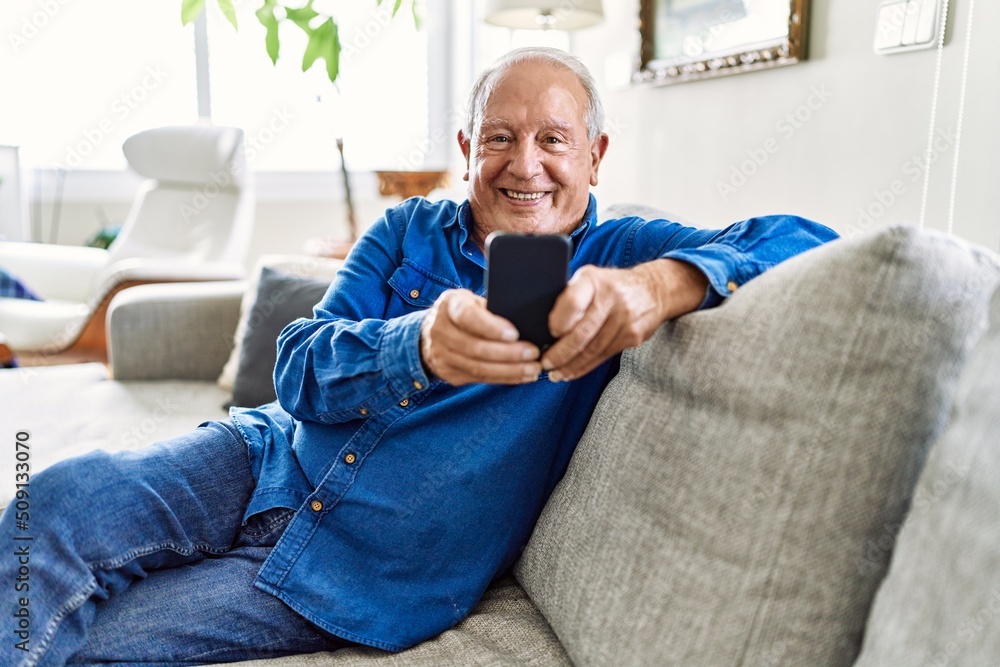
(906, 25)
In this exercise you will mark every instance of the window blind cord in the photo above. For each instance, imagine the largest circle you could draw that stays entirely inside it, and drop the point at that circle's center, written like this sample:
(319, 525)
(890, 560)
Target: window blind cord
(935, 90)
(961, 116)
(929, 153)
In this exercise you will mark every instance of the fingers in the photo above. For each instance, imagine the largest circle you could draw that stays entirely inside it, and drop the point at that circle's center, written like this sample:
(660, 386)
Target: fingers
(601, 312)
(584, 347)
(577, 319)
(462, 342)
(605, 312)
(467, 311)
(572, 304)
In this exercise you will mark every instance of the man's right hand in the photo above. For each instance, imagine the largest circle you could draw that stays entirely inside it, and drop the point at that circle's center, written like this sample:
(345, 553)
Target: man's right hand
(462, 342)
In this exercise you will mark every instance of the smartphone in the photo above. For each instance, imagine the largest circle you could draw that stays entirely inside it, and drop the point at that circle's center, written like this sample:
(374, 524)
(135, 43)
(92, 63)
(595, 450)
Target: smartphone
(525, 273)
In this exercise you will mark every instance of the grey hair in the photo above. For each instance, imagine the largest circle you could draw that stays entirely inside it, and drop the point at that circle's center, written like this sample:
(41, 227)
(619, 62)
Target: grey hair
(483, 87)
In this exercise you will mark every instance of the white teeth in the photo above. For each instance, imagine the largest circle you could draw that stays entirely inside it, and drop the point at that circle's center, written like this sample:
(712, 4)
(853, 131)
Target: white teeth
(524, 196)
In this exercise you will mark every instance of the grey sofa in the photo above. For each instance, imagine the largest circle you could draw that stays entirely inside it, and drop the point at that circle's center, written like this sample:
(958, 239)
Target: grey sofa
(806, 475)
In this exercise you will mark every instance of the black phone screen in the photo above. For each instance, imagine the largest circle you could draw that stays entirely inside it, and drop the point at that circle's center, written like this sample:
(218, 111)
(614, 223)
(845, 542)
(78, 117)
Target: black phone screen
(525, 273)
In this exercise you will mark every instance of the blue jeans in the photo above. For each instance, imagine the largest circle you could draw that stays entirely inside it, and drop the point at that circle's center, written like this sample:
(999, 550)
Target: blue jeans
(141, 557)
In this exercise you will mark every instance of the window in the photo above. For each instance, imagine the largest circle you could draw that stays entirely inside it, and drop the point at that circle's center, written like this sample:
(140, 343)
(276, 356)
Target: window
(80, 78)
(292, 118)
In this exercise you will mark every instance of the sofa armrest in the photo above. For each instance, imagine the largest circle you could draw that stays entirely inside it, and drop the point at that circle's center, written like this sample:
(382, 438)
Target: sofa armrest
(173, 330)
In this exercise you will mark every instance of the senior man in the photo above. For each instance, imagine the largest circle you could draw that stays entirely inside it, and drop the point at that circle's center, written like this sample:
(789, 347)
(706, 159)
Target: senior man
(415, 439)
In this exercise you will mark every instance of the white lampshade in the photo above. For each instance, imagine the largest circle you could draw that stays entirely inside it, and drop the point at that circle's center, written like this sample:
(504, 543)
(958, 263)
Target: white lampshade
(544, 14)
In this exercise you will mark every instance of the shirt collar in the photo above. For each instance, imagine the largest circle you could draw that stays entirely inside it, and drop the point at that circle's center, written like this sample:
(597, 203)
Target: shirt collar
(463, 218)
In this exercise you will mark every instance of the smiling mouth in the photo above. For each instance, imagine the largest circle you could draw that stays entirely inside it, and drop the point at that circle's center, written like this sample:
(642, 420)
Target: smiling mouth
(523, 196)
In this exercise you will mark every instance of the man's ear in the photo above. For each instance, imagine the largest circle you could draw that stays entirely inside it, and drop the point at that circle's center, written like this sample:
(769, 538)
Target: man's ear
(466, 145)
(597, 150)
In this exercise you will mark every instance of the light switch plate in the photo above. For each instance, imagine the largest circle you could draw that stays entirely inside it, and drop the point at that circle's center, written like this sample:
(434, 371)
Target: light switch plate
(906, 25)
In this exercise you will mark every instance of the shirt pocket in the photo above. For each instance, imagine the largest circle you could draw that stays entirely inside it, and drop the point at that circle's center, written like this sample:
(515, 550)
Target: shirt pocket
(415, 289)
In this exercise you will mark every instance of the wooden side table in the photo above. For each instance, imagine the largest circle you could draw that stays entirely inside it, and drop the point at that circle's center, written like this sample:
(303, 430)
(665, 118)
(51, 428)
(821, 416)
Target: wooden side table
(406, 184)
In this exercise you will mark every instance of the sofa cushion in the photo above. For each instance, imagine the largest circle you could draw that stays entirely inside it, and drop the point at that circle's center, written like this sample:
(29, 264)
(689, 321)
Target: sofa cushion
(280, 299)
(940, 602)
(73, 409)
(718, 509)
(504, 630)
(303, 266)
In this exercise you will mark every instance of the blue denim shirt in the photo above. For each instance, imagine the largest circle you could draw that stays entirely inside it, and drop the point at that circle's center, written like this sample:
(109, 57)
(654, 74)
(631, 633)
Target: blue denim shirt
(412, 494)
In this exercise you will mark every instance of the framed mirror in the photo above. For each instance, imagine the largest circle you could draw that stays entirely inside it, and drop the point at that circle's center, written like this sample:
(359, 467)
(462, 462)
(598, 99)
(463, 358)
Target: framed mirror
(686, 40)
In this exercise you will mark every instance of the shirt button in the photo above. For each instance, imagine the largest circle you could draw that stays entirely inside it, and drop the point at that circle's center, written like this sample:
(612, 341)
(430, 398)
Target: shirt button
(403, 403)
(316, 506)
(731, 285)
(363, 412)
(414, 293)
(350, 458)
(417, 384)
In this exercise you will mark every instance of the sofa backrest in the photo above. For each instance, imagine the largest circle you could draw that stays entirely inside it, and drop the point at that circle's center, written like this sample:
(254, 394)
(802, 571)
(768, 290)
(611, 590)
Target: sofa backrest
(940, 602)
(736, 496)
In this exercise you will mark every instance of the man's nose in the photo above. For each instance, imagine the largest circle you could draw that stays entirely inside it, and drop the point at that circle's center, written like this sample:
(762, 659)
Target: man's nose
(525, 160)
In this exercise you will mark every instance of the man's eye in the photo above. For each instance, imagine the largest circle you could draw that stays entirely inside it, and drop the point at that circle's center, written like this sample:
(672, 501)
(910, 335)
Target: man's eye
(552, 140)
(499, 139)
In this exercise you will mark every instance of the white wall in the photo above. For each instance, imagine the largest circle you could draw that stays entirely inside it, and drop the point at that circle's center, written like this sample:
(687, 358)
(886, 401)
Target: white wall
(672, 145)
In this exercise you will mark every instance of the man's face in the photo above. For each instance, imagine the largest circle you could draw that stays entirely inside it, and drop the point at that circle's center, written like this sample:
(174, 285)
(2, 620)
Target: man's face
(530, 163)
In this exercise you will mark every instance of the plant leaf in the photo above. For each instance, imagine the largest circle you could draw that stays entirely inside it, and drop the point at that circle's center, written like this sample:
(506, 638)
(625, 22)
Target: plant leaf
(324, 42)
(333, 53)
(417, 22)
(395, 8)
(190, 10)
(317, 45)
(301, 16)
(270, 22)
(228, 11)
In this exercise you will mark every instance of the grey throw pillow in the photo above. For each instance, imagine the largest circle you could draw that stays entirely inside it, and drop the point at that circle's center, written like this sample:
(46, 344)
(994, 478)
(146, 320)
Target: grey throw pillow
(940, 603)
(720, 507)
(280, 300)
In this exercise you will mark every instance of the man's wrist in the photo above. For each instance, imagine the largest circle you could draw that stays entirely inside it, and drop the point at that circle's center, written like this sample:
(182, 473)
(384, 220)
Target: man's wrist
(424, 342)
(680, 286)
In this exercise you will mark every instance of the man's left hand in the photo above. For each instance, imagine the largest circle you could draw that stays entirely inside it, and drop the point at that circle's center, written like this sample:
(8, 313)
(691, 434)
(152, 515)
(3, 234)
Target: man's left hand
(604, 311)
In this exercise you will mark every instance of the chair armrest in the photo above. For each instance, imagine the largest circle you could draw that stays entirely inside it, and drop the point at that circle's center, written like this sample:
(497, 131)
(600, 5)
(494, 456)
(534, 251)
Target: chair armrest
(92, 341)
(173, 330)
(55, 271)
(159, 270)
(6, 354)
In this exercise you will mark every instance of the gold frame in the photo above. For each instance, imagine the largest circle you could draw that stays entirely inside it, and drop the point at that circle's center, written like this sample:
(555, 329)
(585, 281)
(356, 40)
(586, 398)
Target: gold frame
(754, 56)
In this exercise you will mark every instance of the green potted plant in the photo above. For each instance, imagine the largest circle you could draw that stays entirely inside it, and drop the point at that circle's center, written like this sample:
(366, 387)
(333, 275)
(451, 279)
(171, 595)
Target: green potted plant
(320, 27)
(323, 43)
